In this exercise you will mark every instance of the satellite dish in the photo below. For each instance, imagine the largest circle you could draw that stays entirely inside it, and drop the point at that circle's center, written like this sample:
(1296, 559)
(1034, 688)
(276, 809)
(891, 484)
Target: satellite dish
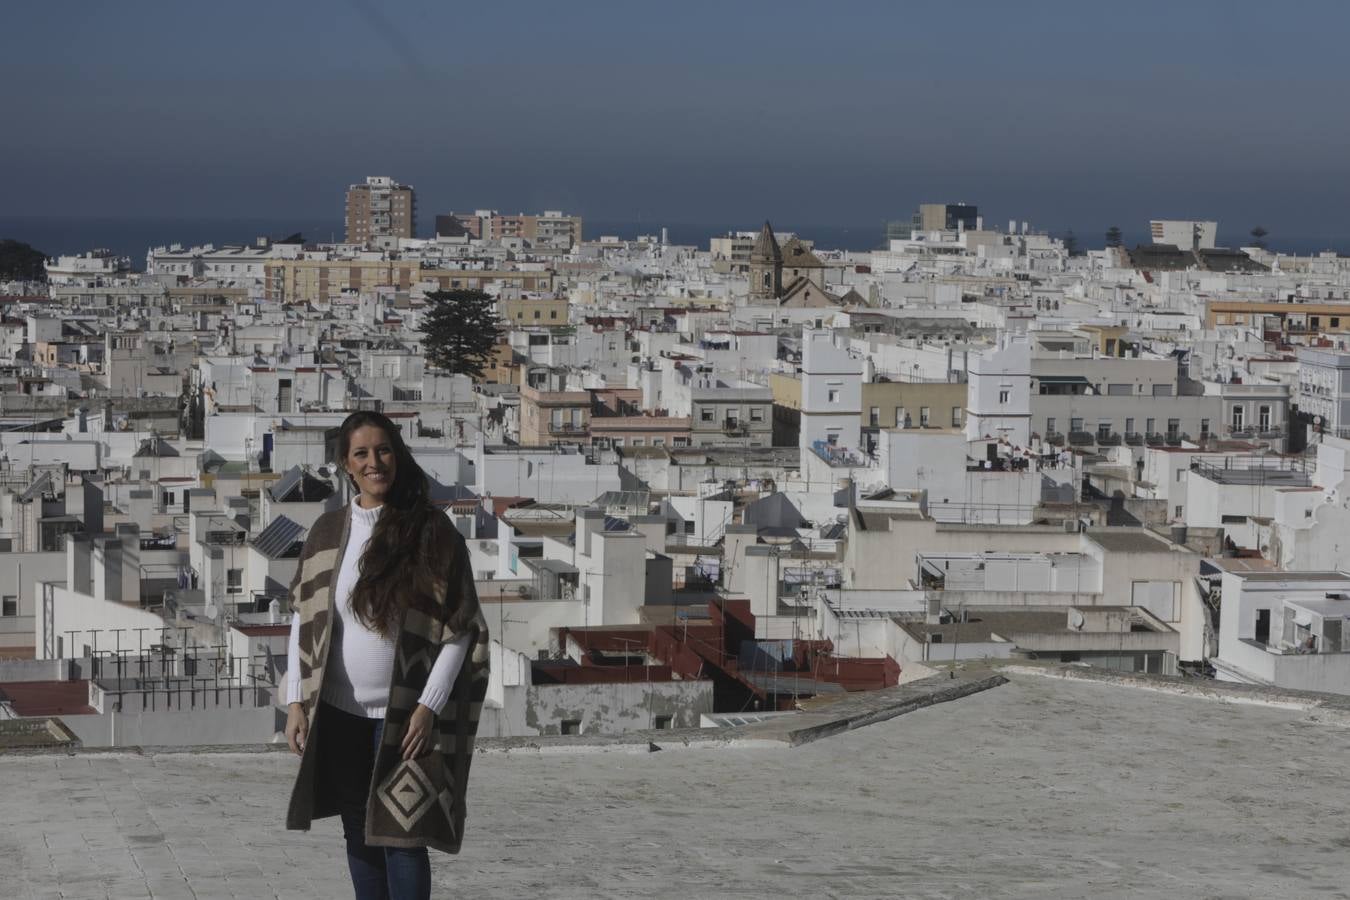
(211, 611)
(1076, 620)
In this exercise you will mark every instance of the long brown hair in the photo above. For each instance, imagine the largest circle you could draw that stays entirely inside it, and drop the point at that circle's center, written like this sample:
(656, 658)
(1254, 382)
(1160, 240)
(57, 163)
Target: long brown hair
(399, 567)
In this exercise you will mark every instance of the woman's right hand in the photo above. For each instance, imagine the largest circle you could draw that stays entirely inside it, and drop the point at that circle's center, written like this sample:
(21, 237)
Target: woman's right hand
(297, 728)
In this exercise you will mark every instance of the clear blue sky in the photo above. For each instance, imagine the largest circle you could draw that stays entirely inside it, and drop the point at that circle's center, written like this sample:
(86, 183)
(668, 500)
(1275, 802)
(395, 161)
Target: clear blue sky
(1075, 114)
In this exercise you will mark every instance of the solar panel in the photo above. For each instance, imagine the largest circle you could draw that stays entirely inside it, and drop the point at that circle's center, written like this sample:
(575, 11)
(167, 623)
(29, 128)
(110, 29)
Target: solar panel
(279, 537)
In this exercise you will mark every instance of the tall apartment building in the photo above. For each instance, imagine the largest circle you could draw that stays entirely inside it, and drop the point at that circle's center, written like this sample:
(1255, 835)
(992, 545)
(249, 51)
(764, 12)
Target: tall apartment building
(946, 217)
(380, 208)
(1184, 233)
(552, 228)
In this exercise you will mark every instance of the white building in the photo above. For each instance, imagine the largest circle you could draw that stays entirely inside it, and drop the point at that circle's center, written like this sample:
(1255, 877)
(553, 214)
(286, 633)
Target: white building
(1324, 387)
(1288, 629)
(1184, 233)
(831, 407)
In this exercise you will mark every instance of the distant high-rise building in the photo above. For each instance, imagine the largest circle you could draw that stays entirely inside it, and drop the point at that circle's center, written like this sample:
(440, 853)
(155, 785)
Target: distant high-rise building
(946, 217)
(551, 229)
(380, 208)
(1184, 233)
(459, 225)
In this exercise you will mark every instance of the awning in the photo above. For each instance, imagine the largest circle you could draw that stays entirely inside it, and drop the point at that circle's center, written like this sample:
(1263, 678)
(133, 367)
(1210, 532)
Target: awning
(1061, 379)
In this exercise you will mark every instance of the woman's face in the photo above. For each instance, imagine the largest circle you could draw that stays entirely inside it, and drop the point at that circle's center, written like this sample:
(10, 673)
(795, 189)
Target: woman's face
(370, 461)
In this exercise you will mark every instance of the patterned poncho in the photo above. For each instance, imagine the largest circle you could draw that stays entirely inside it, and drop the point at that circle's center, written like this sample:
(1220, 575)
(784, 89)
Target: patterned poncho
(413, 803)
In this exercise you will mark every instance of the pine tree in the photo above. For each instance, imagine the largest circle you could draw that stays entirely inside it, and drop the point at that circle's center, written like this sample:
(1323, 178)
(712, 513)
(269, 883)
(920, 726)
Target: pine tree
(1070, 243)
(21, 262)
(459, 330)
(1113, 238)
(1259, 237)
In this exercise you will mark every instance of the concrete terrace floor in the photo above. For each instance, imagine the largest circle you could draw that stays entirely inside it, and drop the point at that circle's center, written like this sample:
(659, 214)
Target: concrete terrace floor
(1039, 788)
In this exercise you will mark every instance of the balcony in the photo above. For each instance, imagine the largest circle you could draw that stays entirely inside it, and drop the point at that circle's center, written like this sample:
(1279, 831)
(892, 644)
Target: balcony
(734, 426)
(566, 428)
(836, 455)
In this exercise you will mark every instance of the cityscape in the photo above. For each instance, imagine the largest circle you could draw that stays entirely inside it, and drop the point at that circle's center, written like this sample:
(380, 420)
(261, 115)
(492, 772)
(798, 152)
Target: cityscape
(972, 555)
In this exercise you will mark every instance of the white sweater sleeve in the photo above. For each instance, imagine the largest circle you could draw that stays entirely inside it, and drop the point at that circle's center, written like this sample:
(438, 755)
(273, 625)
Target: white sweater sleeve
(444, 672)
(293, 663)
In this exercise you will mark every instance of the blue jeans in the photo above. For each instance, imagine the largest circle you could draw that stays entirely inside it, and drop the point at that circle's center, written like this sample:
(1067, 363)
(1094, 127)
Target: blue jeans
(346, 762)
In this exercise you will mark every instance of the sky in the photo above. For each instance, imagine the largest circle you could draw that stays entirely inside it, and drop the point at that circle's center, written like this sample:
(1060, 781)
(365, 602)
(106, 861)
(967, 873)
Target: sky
(1066, 114)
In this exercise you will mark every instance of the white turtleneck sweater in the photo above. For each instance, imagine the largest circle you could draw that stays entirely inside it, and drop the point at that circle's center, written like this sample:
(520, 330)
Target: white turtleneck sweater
(360, 661)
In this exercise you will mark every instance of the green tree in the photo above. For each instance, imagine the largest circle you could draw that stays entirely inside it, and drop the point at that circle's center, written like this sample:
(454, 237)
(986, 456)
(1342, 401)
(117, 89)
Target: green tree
(459, 331)
(1113, 238)
(20, 262)
(1259, 237)
(1070, 243)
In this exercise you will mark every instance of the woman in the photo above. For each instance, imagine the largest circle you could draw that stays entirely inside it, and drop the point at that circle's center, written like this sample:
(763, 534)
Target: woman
(388, 665)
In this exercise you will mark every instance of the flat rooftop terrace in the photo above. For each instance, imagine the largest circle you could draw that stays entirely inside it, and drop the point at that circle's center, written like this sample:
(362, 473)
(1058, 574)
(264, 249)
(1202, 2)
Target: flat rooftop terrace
(1042, 787)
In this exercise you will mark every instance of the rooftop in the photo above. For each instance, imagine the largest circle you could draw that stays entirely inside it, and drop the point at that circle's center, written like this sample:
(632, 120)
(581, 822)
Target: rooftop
(1039, 788)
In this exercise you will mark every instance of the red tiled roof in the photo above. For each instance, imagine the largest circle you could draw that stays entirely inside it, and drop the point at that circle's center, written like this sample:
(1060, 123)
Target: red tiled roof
(48, 698)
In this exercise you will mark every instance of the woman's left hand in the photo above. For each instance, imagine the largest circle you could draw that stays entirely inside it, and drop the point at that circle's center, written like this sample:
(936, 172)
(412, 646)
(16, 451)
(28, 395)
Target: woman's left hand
(418, 739)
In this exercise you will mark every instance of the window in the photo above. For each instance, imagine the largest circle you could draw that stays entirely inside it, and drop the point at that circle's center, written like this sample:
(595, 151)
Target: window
(658, 442)
(923, 416)
(1003, 396)
(1129, 425)
(680, 442)
(1263, 415)
(1162, 390)
(1204, 427)
(956, 417)
(1176, 511)
(1050, 425)
(1335, 322)
(569, 726)
(832, 437)
(166, 498)
(900, 417)
(1173, 429)
(874, 416)
(536, 313)
(234, 581)
(1150, 426)
(553, 314)
(9, 606)
(1238, 414)
(1181, 475)
(832, 395)
(638, 442)
(706, 414)
(756, 414)
(663, 722)
(1103, 430)
(1076, 424)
